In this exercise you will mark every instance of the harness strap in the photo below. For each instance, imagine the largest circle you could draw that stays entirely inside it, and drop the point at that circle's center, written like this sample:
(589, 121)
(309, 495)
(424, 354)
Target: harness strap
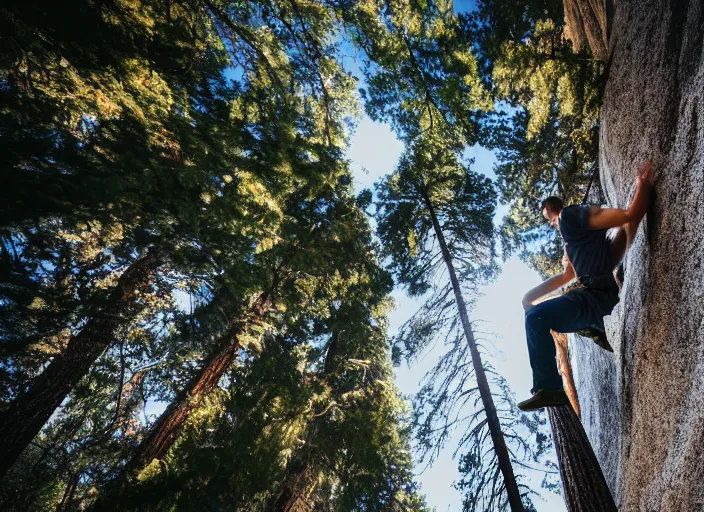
(593, 170)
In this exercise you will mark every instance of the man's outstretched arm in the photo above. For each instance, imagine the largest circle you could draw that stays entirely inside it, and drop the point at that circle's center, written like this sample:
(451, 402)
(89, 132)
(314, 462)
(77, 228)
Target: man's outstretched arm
(605, 218)
(549, 285)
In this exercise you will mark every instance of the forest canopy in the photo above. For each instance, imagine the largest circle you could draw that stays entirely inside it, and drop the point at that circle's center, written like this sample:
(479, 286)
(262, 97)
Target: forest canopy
(193, 299)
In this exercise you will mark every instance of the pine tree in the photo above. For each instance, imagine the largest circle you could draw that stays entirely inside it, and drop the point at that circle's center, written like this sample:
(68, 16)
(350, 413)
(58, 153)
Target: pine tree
(211, 136)
(25, 416)
(435, 220)
(433, 213)
(546, 145)
(582, 479)
(332, 311)
(116, 130)
(545, 131)
(195, 151)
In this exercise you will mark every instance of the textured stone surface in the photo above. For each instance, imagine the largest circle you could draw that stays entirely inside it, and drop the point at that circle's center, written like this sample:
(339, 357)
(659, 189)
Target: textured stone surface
(643, 406)
(596, 378)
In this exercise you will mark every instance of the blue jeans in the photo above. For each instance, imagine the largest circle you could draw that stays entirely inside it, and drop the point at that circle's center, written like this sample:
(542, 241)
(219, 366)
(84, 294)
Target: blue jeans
(576, 310)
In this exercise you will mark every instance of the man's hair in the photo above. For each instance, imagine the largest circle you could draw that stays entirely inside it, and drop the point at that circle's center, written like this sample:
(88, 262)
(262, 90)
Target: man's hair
(552, 203)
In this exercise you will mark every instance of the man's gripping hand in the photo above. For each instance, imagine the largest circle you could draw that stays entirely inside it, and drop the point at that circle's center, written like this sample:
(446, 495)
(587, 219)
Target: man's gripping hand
(606, 218)
(645, 173)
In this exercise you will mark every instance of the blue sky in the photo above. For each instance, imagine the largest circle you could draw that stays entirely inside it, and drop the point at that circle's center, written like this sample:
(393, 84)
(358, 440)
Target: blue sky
(374, 152)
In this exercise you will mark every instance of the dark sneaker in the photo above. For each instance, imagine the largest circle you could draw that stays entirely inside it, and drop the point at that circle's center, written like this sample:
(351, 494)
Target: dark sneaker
(598, 336)
(600, 339)
(544, 398)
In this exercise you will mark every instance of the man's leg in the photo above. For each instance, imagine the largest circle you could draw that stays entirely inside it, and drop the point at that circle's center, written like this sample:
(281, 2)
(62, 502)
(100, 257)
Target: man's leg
(569, 313)
(558, 314)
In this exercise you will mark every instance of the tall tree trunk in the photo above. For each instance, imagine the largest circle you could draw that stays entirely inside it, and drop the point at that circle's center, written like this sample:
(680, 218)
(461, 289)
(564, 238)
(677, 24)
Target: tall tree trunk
(497, 436)
(300, 482)
(583, 482)
(167, 428)
(66, 500)
(165, 431)
(563, 366)
(584, 485)
(295, 491)
(28, 413)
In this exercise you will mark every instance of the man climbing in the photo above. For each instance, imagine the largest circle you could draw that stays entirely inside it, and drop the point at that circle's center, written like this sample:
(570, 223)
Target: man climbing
(590, 257)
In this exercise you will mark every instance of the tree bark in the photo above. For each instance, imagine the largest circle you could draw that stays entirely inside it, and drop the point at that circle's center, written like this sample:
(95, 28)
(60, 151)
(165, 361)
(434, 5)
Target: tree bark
(583, 483)
(563, 366)
(167, 428)
(497, 436)
(28, 413)
(66, 500)
(588, 22)
(296, 490)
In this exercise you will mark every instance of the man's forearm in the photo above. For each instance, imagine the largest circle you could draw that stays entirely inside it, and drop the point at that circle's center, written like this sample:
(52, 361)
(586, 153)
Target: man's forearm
(639, 206)
(606, 218)
(547, 286)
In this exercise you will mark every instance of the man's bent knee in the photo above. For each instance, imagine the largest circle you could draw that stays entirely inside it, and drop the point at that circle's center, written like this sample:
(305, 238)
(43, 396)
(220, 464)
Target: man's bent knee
(536, 320)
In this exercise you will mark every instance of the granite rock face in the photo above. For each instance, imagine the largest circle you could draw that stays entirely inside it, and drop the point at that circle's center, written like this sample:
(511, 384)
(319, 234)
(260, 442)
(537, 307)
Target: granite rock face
(643, 405)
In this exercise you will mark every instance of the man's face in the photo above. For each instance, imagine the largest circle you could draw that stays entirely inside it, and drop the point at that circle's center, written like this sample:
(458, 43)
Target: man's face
(552, 217)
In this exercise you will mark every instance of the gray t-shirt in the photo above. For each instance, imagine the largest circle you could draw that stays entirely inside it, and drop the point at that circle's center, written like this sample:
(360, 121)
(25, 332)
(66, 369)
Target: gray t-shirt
(587, 249)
